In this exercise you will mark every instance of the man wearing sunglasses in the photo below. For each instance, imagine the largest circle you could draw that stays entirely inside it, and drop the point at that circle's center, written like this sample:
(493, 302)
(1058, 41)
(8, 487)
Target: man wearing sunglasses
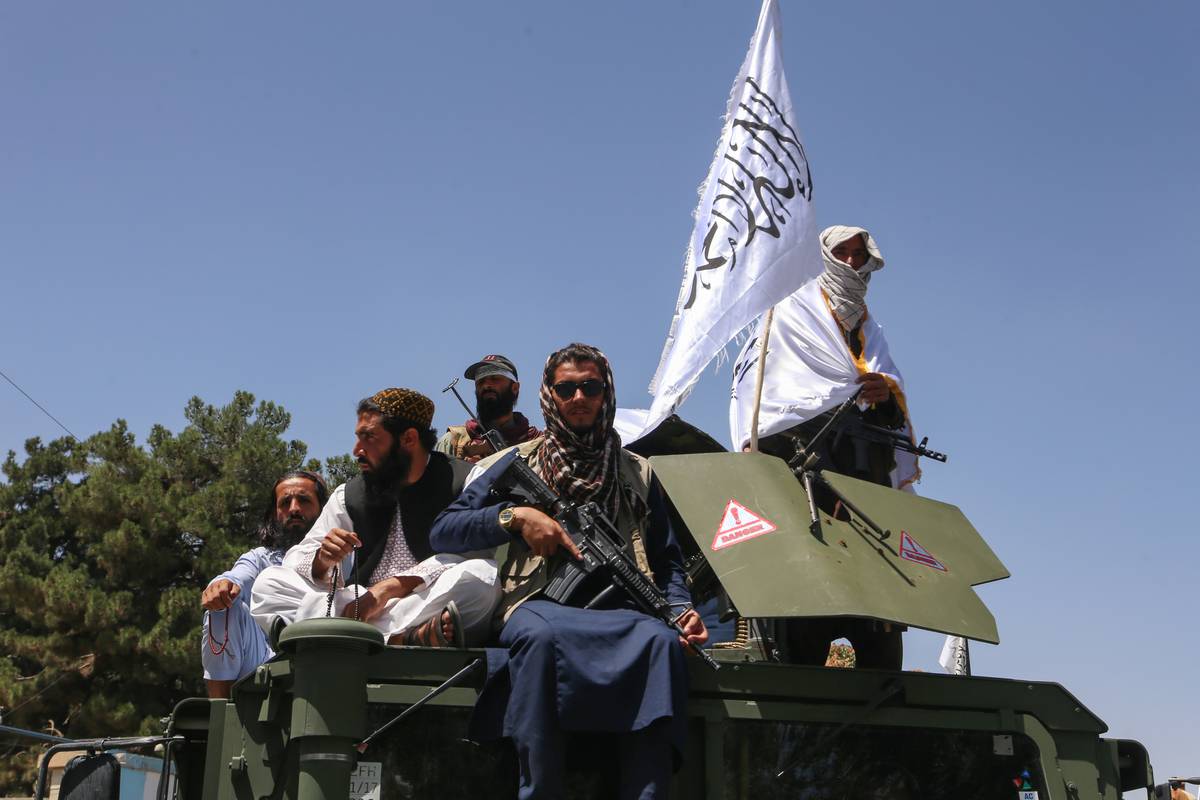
(609, 669)
(233, 645)
(496, 392)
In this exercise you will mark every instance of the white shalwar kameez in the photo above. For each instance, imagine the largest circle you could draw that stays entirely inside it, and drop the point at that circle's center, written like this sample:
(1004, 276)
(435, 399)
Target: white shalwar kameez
(290, 592)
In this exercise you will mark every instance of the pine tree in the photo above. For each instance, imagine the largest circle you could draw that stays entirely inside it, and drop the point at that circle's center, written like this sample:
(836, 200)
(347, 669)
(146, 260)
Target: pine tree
(105, 546)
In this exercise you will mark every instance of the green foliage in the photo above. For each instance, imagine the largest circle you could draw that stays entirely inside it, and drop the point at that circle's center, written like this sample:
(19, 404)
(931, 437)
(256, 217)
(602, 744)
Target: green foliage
(105, 546)
(339, 469)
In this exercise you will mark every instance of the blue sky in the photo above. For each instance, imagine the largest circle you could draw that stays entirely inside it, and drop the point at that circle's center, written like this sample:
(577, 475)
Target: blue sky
(312, 202)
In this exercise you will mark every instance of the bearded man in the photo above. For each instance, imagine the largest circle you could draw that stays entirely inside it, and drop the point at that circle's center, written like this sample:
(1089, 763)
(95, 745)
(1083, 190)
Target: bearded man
(370, 548)
(233, 646)
(496, 393)
(610, 669)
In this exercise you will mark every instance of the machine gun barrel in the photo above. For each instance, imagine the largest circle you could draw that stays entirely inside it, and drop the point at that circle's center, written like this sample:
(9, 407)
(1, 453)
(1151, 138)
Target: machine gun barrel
(599, 544)
(899, 441)
(843, 423)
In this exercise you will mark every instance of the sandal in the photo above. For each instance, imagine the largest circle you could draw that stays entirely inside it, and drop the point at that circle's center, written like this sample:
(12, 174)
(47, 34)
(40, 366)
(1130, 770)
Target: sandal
(429, 633)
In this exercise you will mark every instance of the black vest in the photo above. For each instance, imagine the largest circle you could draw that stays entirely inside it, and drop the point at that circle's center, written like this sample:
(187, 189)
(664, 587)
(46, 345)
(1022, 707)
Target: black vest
(419, 504)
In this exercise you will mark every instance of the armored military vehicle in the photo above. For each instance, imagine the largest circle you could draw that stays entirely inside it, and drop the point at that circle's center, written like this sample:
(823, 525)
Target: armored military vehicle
(314, 723)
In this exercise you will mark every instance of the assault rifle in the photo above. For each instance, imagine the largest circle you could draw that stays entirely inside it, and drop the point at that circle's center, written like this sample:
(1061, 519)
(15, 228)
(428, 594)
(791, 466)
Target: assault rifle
(855, 427)
(594, 536)
(598, 543)
(844, 421)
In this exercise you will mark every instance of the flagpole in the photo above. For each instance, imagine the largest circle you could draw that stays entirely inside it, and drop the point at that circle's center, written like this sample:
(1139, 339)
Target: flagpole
(758, 381)
(767, 630)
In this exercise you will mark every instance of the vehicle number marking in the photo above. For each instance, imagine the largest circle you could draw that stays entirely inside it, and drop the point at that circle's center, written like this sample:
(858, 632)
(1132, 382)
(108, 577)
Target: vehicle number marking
(365, 780)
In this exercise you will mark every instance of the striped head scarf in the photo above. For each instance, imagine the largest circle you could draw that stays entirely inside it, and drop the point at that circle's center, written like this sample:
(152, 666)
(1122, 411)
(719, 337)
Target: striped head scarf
(580, 466)
(845, 286)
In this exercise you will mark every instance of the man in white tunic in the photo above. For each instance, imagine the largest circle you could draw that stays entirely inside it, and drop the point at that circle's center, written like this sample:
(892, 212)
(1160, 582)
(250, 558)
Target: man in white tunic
(371, 541)
(825, 346)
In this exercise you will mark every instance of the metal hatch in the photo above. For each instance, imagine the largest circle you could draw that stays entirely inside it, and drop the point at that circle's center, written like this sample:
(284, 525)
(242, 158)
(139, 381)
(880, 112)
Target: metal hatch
(749, 516)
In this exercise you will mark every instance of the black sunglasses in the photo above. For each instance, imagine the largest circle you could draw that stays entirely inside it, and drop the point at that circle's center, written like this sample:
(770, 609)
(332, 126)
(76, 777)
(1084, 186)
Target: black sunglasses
(566, 389)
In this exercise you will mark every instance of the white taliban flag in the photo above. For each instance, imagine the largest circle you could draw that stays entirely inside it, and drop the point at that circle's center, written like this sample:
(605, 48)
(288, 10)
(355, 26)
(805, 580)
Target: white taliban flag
(755, 238)
(809, 370)
(955, 657)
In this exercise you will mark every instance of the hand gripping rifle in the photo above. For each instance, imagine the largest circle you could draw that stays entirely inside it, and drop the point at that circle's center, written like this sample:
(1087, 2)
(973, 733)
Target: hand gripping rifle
(600, 545)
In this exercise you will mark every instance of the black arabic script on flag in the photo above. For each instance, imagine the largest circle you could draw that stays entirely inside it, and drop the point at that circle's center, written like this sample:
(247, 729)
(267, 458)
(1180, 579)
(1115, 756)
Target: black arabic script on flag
(765, 167)
(747, 359)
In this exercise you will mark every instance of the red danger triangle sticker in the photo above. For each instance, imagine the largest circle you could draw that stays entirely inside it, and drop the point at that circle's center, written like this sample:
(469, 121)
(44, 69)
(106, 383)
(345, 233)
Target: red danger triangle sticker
(911, 551)
(738, 524)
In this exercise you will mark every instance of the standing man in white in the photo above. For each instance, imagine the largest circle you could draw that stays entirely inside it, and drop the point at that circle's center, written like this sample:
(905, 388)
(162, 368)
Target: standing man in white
(824, 345)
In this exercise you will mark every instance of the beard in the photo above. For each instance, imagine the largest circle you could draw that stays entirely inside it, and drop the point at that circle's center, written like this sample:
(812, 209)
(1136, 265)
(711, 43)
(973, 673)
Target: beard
(490, 407)
(383, 481)
(281, 536)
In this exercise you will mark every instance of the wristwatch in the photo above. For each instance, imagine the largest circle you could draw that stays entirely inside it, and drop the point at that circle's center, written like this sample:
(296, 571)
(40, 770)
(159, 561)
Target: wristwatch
(506, 519)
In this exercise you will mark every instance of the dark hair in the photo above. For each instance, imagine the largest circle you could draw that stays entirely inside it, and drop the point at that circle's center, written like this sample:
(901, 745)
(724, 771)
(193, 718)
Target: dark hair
(398, 425)
(322, 489)
(572, 354)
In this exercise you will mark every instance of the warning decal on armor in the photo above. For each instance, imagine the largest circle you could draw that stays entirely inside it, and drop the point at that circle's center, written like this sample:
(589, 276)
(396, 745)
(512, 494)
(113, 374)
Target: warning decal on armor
(738, 524)
(911, 551)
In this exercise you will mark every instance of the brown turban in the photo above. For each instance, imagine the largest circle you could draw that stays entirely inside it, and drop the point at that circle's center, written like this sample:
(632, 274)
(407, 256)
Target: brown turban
(406, 404)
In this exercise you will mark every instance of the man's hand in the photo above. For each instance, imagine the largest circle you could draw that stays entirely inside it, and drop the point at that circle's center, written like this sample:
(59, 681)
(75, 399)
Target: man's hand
(336, 545)
(693, 627)
(541, 532)
(874, 388)
(373, 602)
(220, 594)
(473, 451)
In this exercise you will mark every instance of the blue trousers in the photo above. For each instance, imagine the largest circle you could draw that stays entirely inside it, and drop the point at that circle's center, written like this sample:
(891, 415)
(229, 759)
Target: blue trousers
(246, 649)
(570, 669)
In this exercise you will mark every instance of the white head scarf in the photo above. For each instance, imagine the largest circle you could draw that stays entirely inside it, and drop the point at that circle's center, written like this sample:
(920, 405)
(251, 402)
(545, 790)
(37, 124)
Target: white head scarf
(846, 286)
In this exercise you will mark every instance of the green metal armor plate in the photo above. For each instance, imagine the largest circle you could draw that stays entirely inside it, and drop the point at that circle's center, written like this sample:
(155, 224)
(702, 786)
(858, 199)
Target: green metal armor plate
(748, 515)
